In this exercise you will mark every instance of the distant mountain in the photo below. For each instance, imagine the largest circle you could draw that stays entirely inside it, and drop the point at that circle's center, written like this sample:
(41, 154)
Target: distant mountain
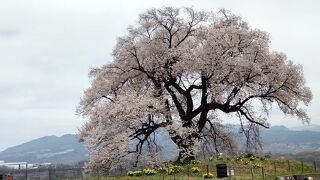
(282, 140)
(53, 149)
(311, 127)
(66, 149)
(279, 139)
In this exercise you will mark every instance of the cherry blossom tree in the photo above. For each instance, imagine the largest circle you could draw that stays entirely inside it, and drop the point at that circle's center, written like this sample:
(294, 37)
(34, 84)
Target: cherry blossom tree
(178, 69)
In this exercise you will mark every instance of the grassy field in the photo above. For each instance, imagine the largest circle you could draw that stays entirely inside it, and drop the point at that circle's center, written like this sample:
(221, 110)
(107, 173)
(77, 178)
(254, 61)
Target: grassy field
(245, 168)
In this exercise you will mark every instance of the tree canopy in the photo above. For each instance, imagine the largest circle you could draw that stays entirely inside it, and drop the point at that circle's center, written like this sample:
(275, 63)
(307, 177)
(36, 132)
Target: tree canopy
(176, 69)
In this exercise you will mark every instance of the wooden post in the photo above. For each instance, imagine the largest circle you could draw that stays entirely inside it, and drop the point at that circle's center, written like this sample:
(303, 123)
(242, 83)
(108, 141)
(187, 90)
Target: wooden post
(289, 166)
(275, 169)
(262, 173)
(302, 166)
(252, 174)
(315, 166)
(188, 171)
(207, 169)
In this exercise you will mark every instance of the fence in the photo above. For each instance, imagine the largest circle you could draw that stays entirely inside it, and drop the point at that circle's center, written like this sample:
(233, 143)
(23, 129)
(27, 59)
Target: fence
(266, 172)
(277, 168)
(44, 173)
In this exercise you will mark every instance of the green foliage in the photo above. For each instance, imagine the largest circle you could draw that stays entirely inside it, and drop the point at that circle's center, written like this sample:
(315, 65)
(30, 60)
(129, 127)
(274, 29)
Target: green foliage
(252, 158)
(242, 166)
(149, 172)
(174, 169)
(262, 159)
(195, 162)
(216, 157)
(257, 165)
(135, 173)
(195, 169)
(249, 155)
(211, 158)
(162, 170)
(219, 158)
(208, 175)
(251, 161)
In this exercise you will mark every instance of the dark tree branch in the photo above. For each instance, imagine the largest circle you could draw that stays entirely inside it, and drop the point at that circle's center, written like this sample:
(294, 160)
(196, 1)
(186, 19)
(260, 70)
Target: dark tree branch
(143, 133)
(176, 102)
(108, 98)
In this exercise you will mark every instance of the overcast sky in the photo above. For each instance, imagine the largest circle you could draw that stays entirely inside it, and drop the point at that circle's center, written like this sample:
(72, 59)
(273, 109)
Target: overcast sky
(47, 48)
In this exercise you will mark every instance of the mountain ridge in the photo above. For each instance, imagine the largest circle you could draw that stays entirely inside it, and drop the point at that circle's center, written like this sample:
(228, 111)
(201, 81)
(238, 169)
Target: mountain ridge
(64, 149)
(67, 150)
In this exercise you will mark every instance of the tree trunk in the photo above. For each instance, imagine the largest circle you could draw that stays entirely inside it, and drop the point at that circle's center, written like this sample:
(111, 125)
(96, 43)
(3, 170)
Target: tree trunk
(186, 151)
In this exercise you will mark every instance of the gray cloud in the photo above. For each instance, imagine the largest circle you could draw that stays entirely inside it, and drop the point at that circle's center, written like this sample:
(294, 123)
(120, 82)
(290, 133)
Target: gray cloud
(8, 33)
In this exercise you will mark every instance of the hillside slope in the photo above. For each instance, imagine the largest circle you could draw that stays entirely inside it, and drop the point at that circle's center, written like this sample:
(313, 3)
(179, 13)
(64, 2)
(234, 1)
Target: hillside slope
(64, 149)
(279, 139)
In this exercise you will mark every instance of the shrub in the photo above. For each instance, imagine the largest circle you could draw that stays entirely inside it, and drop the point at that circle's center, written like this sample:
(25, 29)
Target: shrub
(262, 158)
(138, 173)
(219, 158)
(249, 155)
(130, 173)
(162, 170)
(195, 169)
(135, 173)
(257, 165)
(208, 175)
(149, 172)
(252, 158)
(174, 169)
(195, 162)
(239, 158)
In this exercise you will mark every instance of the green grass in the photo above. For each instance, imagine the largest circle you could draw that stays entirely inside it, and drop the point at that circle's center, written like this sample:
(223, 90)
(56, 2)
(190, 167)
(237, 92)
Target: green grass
(243, 169)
